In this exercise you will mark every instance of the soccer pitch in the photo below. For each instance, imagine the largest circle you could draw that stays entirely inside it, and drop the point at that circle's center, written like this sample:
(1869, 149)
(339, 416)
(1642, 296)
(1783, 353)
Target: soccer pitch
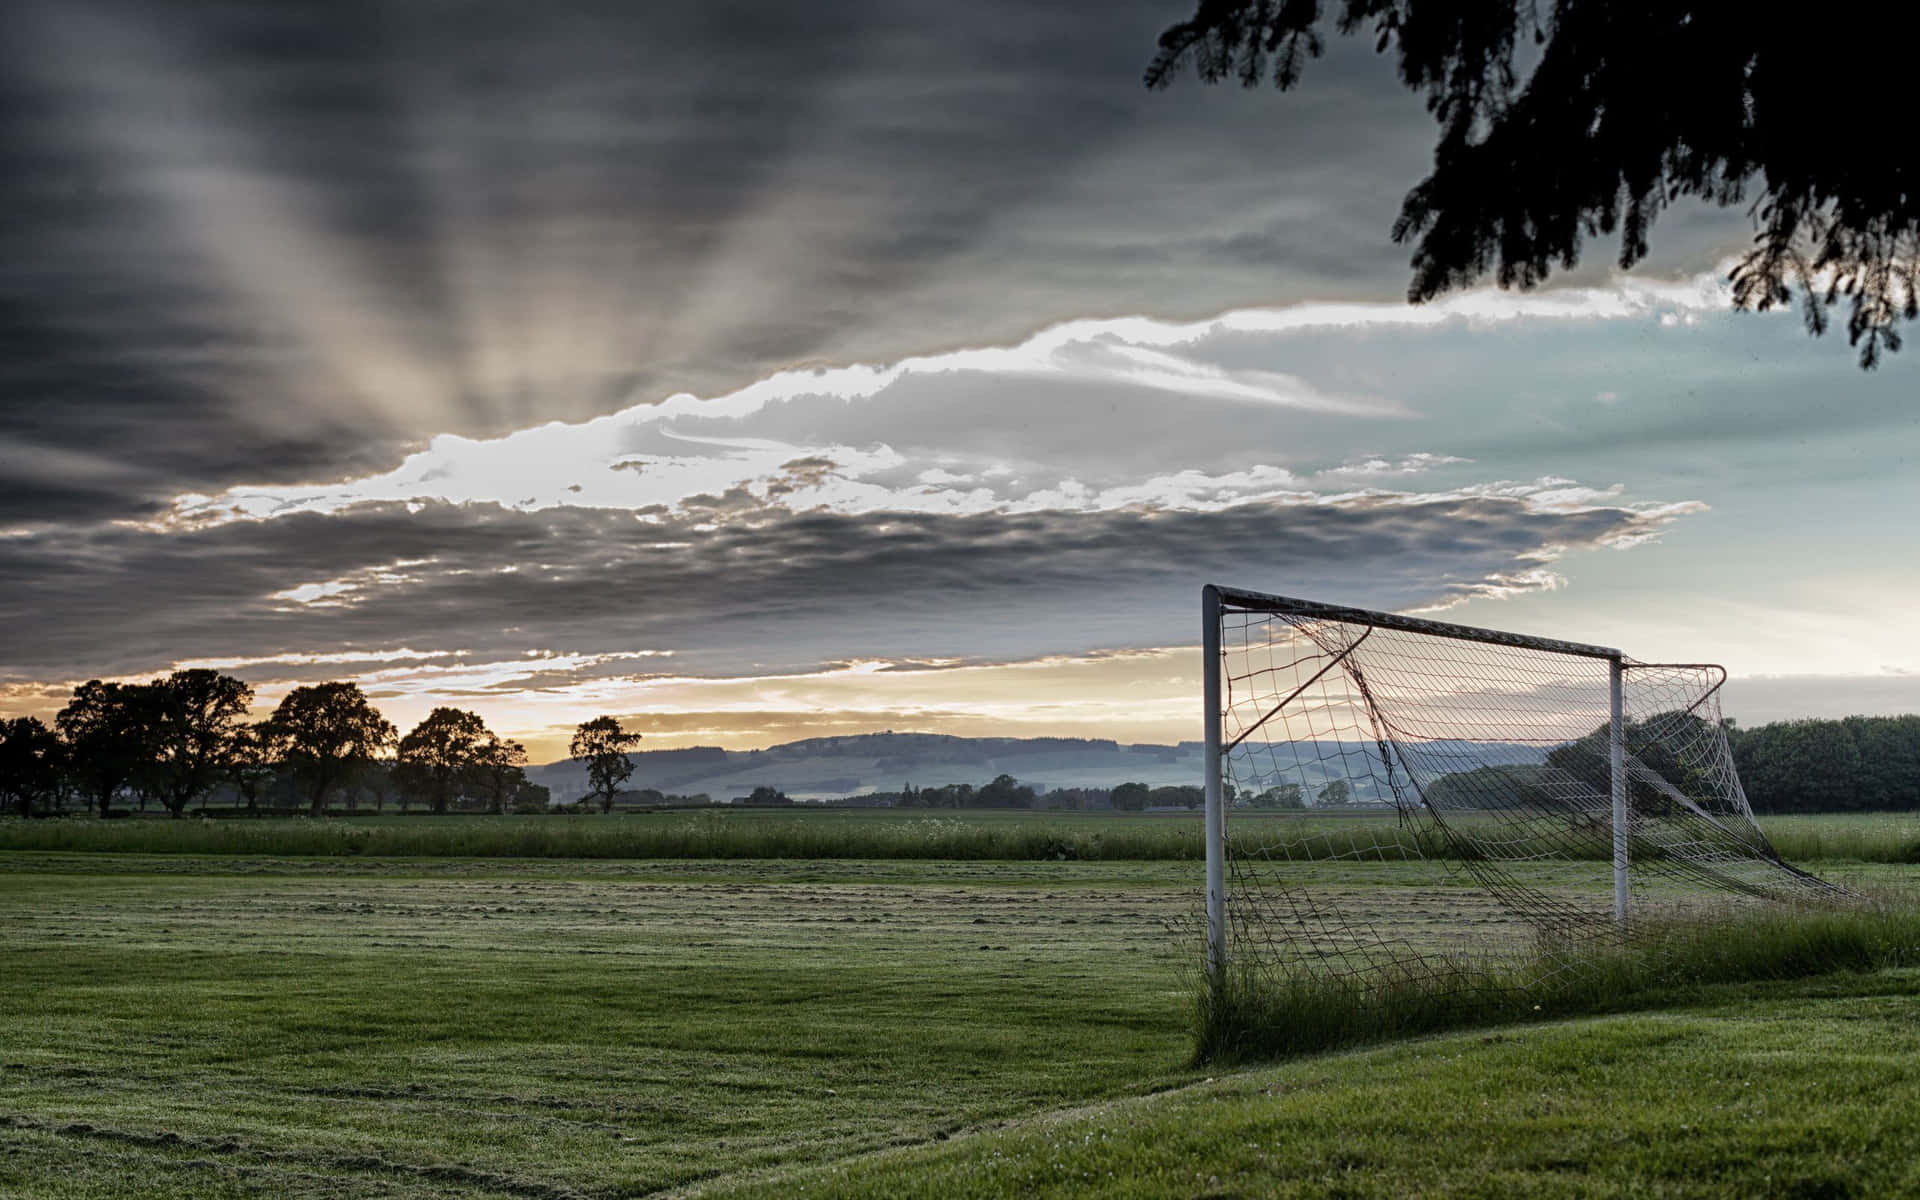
(208, 1027)
(198, 1026)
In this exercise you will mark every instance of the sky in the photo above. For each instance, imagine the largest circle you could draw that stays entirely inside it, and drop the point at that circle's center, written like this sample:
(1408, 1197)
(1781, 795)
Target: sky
(756, 371)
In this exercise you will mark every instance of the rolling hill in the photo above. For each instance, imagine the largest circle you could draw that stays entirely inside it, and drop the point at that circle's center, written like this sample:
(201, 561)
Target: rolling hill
(834, 767)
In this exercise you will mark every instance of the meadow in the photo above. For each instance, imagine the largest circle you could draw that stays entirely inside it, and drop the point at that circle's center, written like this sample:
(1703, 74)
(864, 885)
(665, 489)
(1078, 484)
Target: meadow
(667, 834)
(879, 834)
(244, 1019)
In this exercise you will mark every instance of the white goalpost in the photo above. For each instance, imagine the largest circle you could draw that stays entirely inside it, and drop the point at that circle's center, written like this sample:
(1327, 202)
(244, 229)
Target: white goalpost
(1389, 792)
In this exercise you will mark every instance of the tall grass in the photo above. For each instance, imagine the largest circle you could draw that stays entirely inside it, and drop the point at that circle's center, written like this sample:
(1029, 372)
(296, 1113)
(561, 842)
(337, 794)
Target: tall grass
(1855, 837)
(1303, 1011)
(707, 835)
(874, 834)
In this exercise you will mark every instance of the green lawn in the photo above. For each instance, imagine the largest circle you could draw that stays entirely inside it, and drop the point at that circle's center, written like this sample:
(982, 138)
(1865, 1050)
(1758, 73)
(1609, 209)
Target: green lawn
(1804, 1090)
(244, 1025)
(505, 1028)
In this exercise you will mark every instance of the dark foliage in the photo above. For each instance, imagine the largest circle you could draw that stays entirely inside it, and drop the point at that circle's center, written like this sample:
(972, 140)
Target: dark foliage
(952, 795)
(105, 732)
(530, 797)
(193, 719)
(1628, 107)
(1005, 792)
(1279, 795)
(440, 754)
(1506, 786)
(323, 733)
(499, 771)
(1675, 746)
(1178, 796)
(31, 762)
(1859, 764)
(250, 763)
(604, 745)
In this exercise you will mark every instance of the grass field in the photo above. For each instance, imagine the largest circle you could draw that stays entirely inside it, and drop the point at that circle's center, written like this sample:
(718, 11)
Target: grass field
(848, 833)
(705, 834)
(246, 1023)
(246, 1028)
(1804, 1090)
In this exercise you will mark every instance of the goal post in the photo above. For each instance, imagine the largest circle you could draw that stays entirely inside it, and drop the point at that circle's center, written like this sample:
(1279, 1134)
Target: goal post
(1216, 808)
(1520, 792)
(1617, 779)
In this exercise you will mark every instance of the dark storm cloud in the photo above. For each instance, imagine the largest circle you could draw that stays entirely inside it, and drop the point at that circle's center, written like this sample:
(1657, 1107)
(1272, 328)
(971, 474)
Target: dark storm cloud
(124, 340)
(730, 593)
(271, 243)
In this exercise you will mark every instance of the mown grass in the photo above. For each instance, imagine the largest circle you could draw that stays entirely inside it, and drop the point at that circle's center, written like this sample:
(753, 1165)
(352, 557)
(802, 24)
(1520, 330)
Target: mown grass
(323, 1028)
(301, 1028)
(1288, 1010)
(1805, 1090)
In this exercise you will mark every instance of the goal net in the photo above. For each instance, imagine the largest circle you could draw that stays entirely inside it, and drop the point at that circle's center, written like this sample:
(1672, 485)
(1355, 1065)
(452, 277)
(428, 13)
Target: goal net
(1394, 797)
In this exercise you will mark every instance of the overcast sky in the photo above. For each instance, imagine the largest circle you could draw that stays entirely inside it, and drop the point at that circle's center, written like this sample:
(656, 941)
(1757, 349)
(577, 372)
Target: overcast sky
(757, 370)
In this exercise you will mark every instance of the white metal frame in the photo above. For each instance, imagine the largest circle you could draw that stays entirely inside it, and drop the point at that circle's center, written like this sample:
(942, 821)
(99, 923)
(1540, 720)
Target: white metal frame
(1215, 600)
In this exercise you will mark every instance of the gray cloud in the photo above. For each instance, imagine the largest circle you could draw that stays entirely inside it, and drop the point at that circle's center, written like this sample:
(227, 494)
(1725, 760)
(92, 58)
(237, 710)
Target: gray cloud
(271, 244)
(739, 590)
(268, 243)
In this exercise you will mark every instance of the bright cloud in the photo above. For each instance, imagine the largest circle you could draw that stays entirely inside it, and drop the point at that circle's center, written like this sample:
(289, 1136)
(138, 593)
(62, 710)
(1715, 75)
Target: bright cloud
(652, 457)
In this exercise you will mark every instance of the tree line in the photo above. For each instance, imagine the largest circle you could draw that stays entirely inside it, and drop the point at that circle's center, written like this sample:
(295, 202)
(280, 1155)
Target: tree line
(1855, 764)
(177, 739)
(1004, 791)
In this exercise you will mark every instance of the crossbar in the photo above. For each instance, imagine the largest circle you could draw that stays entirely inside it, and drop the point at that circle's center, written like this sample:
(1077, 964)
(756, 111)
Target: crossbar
(1262, 602)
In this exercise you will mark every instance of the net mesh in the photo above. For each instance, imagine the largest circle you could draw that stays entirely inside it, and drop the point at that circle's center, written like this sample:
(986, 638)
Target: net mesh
(1402, 801)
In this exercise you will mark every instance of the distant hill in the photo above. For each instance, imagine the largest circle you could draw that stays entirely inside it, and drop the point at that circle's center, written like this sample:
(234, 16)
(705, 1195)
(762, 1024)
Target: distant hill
(831, 767)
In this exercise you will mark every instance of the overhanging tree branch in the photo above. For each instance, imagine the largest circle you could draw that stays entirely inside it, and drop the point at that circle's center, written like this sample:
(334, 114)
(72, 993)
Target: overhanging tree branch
(1629, 106)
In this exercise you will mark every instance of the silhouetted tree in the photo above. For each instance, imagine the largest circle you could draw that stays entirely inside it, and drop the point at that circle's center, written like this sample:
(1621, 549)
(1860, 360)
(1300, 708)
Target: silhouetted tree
(104, 728)
(1677, 746)
(31, 761)
(499, 768)
(145, 708)
(1004, 792)
(530, 797)
(952, 795)
(1280, 795)
(1177, 796)
(1491, 787)
(440, 753)
(250, 763)
(377, 778)
(324, 731)
(603, 744)
(1627, 108)
(1077, 798)
(193, 718)
(1131, 797)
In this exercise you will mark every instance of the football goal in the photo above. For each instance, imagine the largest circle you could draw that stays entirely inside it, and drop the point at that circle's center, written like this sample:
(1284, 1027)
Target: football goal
(1391, 797)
